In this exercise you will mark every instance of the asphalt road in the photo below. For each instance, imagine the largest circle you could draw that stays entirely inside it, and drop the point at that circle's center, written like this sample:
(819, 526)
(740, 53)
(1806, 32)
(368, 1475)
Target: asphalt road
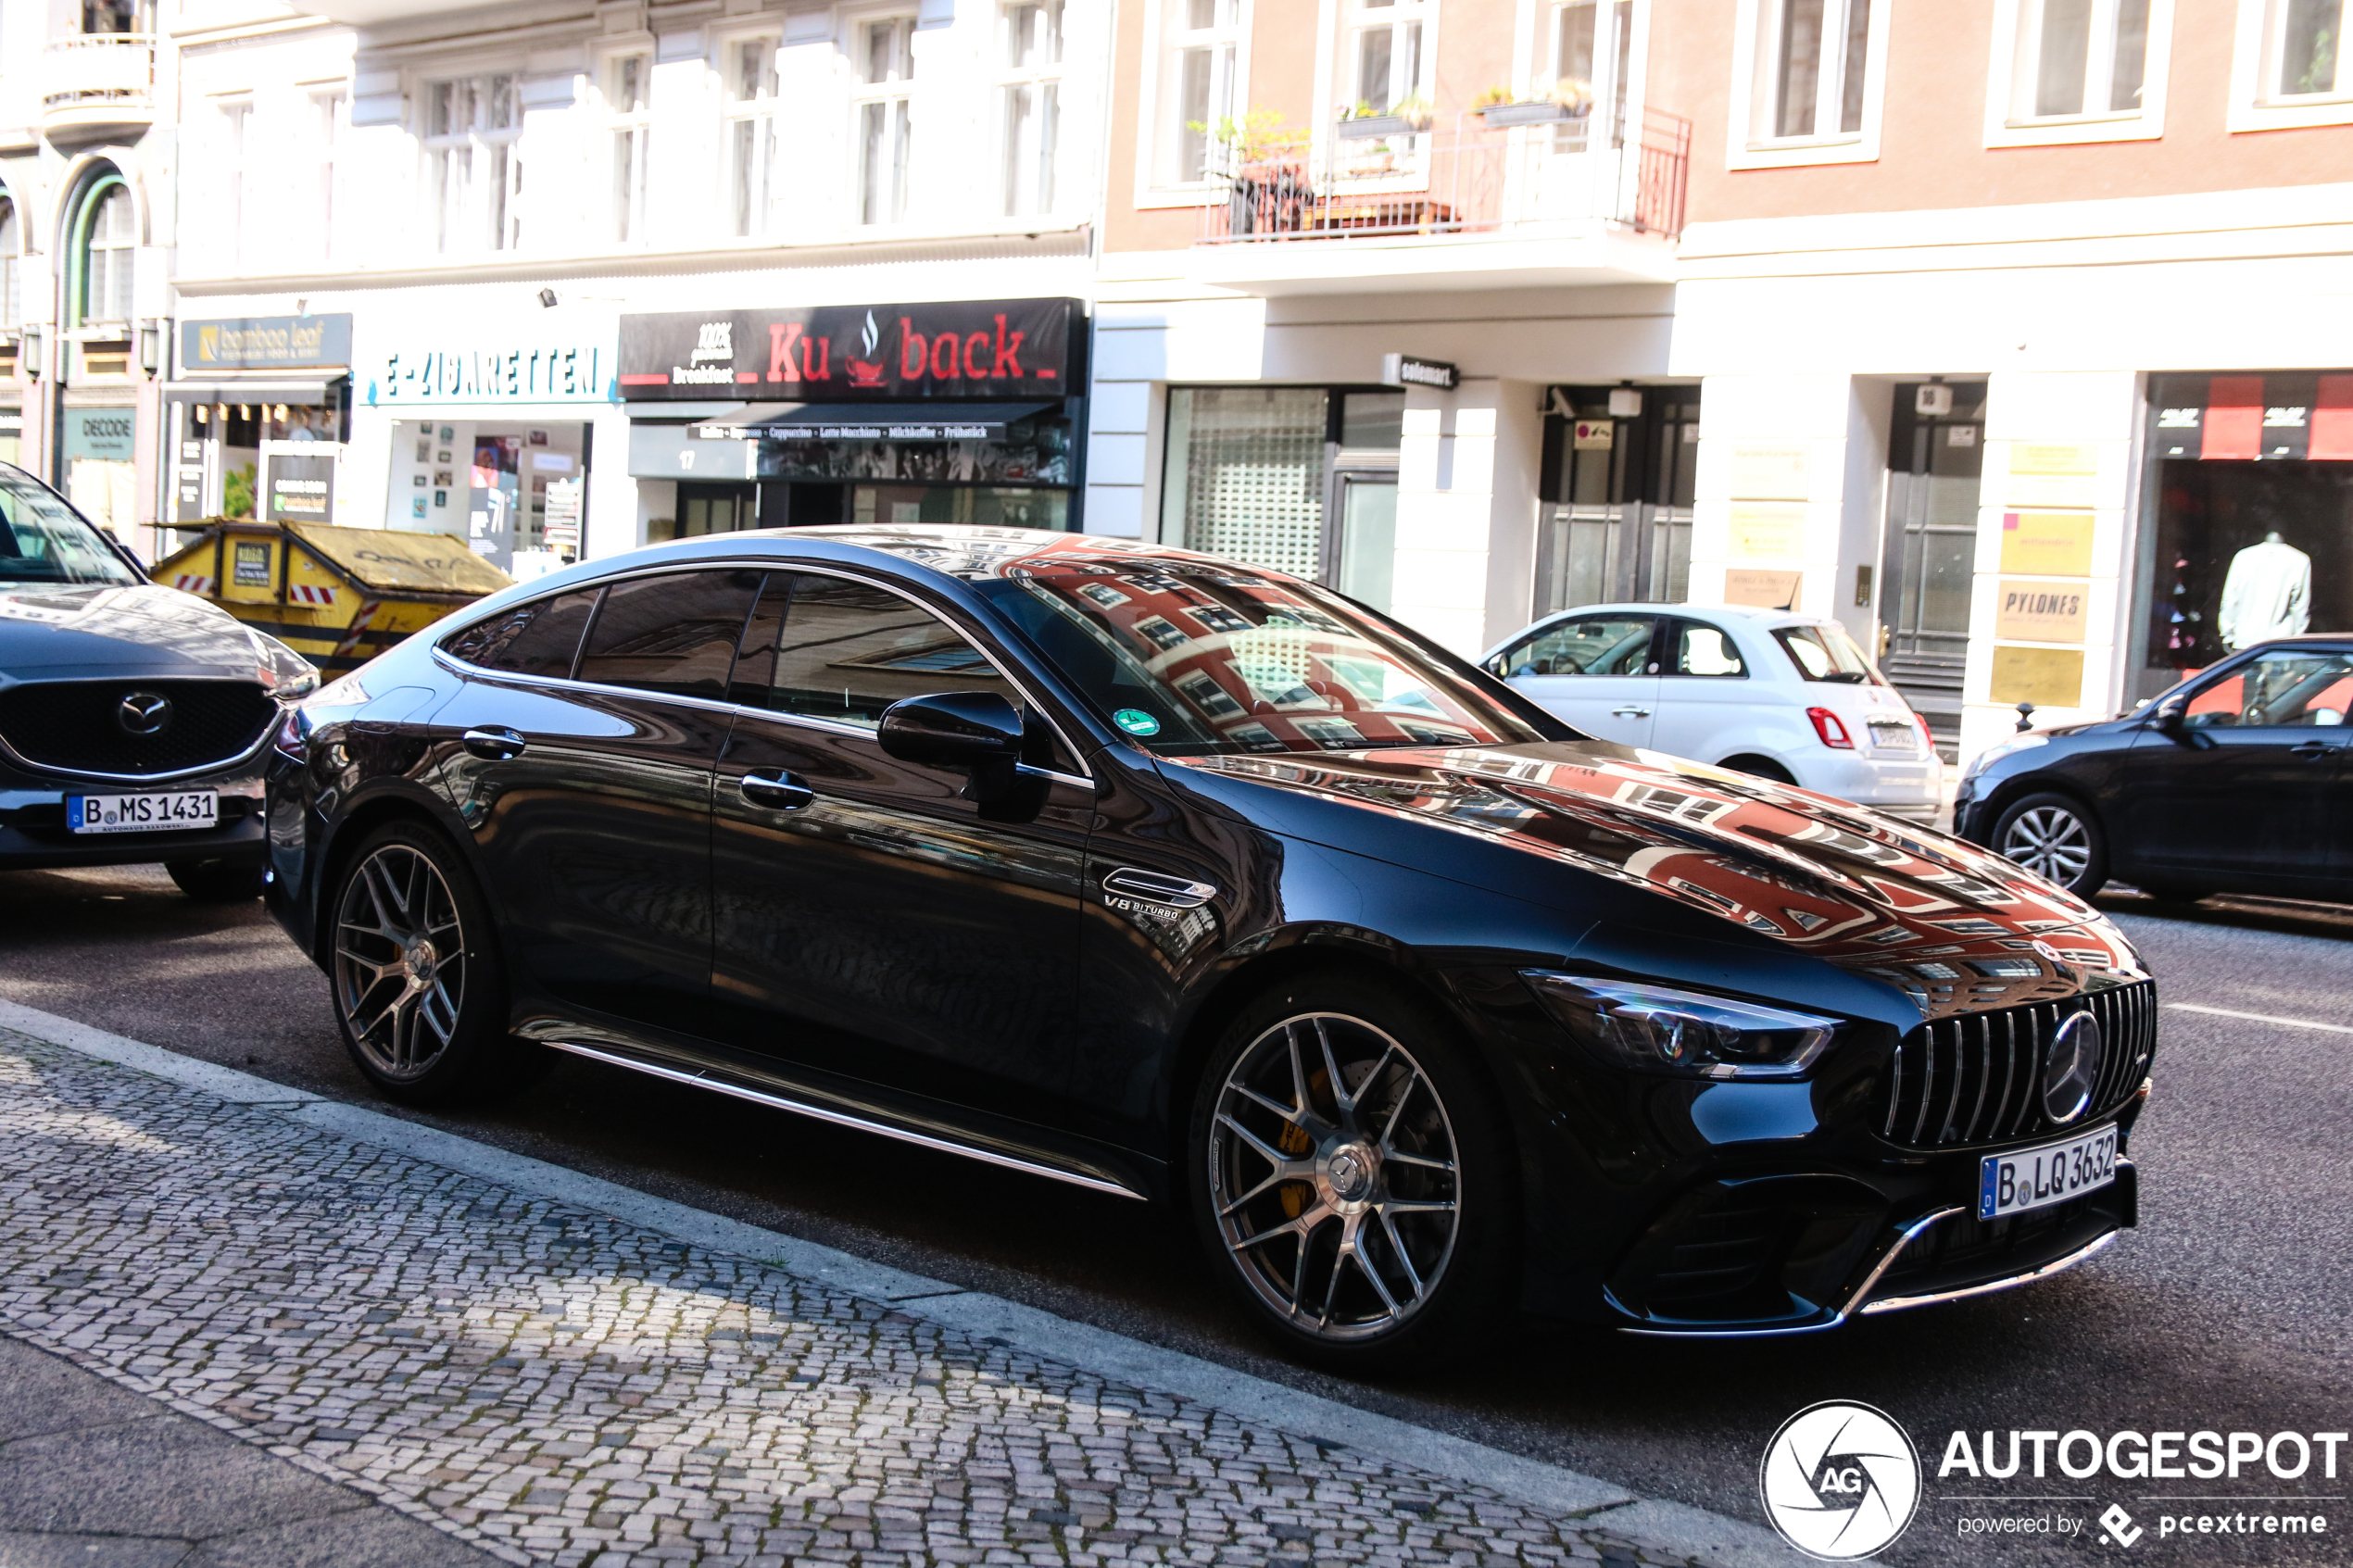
(2227, 1311)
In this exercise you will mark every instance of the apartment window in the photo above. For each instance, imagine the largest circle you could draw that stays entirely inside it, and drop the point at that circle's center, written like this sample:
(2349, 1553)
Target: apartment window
(1593, 44)
(474, 172)
(2080, 57)
(1816, 62)
(628, 92)
(11, 267)
(1032, 95)
(883, 107)
(236, 117)
(326, 135)
(1197, 90)
(752, 90)
(2307, 42)
(1385, 57)
(108, 249)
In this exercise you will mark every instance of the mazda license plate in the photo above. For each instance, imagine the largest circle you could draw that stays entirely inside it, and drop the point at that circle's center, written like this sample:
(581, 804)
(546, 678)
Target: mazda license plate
(2012, 1184)
(178, 810)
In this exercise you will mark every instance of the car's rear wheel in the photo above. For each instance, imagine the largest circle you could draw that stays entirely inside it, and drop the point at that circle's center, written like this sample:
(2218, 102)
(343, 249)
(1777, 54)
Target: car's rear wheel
(216, 882)
(415, 972)
(2058, 838)
(1759, 767)
(1350, 1175)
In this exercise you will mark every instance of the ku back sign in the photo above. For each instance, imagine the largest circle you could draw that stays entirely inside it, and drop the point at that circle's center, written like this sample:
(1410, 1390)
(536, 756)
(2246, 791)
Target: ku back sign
(961, 348)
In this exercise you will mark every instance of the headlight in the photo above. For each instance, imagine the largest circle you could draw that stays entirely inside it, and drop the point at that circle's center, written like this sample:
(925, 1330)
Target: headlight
(1655, 1029)
(1994, 754)
(284, 672)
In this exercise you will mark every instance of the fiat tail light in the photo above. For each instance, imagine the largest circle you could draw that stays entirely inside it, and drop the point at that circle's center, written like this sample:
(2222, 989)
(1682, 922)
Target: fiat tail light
(1827, 725)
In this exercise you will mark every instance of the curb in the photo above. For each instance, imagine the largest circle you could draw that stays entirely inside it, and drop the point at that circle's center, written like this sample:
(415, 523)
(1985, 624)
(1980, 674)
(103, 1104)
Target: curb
(1709, 1538)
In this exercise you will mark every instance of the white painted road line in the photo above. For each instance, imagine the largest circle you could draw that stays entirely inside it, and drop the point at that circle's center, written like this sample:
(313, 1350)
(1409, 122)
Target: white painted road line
(1707, 1538)
(2263, 1018)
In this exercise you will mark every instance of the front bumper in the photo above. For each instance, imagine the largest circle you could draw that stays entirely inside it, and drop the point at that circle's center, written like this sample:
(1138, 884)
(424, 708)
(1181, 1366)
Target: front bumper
(34, 834)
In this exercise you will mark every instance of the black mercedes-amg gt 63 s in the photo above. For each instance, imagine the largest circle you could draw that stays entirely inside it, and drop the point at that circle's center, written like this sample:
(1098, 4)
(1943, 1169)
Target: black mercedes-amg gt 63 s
(1189, 882)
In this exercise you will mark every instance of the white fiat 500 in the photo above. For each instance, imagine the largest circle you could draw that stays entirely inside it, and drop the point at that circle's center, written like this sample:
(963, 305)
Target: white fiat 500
(1780, 696)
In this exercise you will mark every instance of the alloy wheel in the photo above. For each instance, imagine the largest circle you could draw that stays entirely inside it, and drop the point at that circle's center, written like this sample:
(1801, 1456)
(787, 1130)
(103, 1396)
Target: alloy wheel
(2051, 842)
(1333, 1177)
(401, 962)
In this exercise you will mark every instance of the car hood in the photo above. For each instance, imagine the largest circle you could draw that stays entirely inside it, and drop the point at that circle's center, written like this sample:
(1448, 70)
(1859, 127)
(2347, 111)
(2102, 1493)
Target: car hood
(1952, 926)
(92, 632)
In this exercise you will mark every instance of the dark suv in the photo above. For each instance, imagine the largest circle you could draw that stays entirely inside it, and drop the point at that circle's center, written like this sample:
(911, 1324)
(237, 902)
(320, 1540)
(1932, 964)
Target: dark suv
(132, 717)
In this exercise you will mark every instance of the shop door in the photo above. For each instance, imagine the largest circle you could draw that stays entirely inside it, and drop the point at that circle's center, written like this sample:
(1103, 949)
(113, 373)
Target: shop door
(1929, 552)
(1364, 547)
(716, 508)
(1617, 497)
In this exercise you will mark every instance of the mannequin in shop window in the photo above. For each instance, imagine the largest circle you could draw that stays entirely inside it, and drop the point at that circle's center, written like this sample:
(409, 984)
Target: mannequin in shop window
(2268, 594)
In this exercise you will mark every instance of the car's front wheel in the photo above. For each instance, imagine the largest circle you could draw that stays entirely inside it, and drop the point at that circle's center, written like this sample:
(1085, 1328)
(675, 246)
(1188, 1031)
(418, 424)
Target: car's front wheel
(2058, 838)
(417, 988)
(1350, 1175)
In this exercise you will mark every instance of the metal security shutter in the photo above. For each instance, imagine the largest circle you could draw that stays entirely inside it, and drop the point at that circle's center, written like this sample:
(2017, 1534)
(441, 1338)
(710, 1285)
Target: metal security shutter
(1251, 474)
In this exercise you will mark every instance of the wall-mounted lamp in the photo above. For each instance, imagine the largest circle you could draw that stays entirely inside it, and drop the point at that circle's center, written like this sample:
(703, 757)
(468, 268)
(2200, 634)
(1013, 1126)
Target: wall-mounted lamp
(1625, 403)
(32, 359)
(151, 346)
(547, 299)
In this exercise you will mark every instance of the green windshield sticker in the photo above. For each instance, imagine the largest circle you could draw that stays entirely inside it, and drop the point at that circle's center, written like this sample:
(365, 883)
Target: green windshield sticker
(1136, 721)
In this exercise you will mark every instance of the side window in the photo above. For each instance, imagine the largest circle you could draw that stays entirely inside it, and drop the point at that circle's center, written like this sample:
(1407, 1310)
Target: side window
(538, 638)
(1592, 645)
(674, 633)
(1701, 649)
(2289, 687)
(844, 651)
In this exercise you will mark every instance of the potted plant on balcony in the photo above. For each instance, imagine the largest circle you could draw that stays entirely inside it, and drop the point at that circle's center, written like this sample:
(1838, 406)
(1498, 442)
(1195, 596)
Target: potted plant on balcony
(1569, 98)
(1364, 123)
(1266, 186)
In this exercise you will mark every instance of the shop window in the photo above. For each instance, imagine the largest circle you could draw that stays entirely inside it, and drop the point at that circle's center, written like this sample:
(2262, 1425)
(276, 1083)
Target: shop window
(883, 109)
(1806, 89)
(628, 88)
(11, 267)
(1200, 47)
(474, 170)
(106, 254)
(1031, 93)
(1245, 474)
(751, 129)
(2080, 57)
(1593, 45)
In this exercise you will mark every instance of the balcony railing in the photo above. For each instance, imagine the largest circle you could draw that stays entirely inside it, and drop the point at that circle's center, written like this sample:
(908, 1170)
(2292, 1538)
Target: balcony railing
(1468, 178)
(98, 83)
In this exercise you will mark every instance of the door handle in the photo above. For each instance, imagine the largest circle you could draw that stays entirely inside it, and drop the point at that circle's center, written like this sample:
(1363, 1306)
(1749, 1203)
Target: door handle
(494, 743)
(1632, 710)
(2310, 748)
(779, 791)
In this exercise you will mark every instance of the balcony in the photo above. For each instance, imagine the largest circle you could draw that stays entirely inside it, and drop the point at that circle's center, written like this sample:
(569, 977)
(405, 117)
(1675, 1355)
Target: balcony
(1589, 199)
(97, 86)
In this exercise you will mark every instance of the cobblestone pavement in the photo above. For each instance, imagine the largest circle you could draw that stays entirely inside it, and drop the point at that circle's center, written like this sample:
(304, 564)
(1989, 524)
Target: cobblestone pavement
(560, 1387)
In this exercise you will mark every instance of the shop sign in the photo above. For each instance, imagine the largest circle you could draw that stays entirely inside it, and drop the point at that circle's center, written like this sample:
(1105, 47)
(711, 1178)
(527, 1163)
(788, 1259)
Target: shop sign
(2047, 543)
(266, 342)
(2041, 612)
(2045, 677)
(1403, 369)
(1593, 435)
(1772, 473)
(101, 435)
(298, 486)
(1767, 530)
(2049, 474)
(955, 348)
(2255, 417)
(539, 372)
(1763, 589)
(559, 523)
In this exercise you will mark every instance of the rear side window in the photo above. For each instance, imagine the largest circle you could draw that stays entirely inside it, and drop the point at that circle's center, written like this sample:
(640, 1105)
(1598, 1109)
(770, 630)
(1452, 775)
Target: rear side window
(538, 638)
(1701, 649)
(1591, 644)
(1827, 653)
(674, 634)
(844, 651)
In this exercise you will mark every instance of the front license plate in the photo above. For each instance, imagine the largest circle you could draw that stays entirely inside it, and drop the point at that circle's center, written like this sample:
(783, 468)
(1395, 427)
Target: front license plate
(183, 811)
(2011, 1184)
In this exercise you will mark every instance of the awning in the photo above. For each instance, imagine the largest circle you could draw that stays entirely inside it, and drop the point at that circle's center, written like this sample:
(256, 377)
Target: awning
(280, 388)
(894, 421)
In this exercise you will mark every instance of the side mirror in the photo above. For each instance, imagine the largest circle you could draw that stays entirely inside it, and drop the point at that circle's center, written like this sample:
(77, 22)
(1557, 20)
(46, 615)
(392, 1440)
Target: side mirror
(953, 730)
(2169, 717)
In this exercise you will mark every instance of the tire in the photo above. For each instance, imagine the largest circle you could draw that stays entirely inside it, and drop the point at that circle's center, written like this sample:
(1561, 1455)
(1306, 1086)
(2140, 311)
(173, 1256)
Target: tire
(413, 970)
(2172, 894)
(1334, 1265)
(2058, 837)
(1759, 767)
(216, 882)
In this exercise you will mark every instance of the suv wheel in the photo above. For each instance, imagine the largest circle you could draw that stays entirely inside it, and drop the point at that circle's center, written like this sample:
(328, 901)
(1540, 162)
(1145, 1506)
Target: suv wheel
(1350, 1175)
(415, 971)
(2058, 838)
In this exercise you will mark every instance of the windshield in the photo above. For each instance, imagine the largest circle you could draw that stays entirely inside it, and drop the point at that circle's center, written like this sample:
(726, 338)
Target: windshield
(43, 540)
(1827, 653)
(1195, 658)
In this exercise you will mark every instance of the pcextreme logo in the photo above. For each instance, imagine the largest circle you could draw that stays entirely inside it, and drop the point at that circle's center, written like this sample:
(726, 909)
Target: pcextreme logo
(1840, 1480)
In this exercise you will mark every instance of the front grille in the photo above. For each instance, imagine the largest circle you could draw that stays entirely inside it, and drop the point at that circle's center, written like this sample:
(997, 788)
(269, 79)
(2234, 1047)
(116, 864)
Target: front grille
(73, 726)
(1979, 1078)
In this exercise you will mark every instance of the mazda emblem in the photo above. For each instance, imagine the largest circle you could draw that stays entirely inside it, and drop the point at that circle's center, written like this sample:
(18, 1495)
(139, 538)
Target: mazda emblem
(144, 713)
(2072, 1068)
